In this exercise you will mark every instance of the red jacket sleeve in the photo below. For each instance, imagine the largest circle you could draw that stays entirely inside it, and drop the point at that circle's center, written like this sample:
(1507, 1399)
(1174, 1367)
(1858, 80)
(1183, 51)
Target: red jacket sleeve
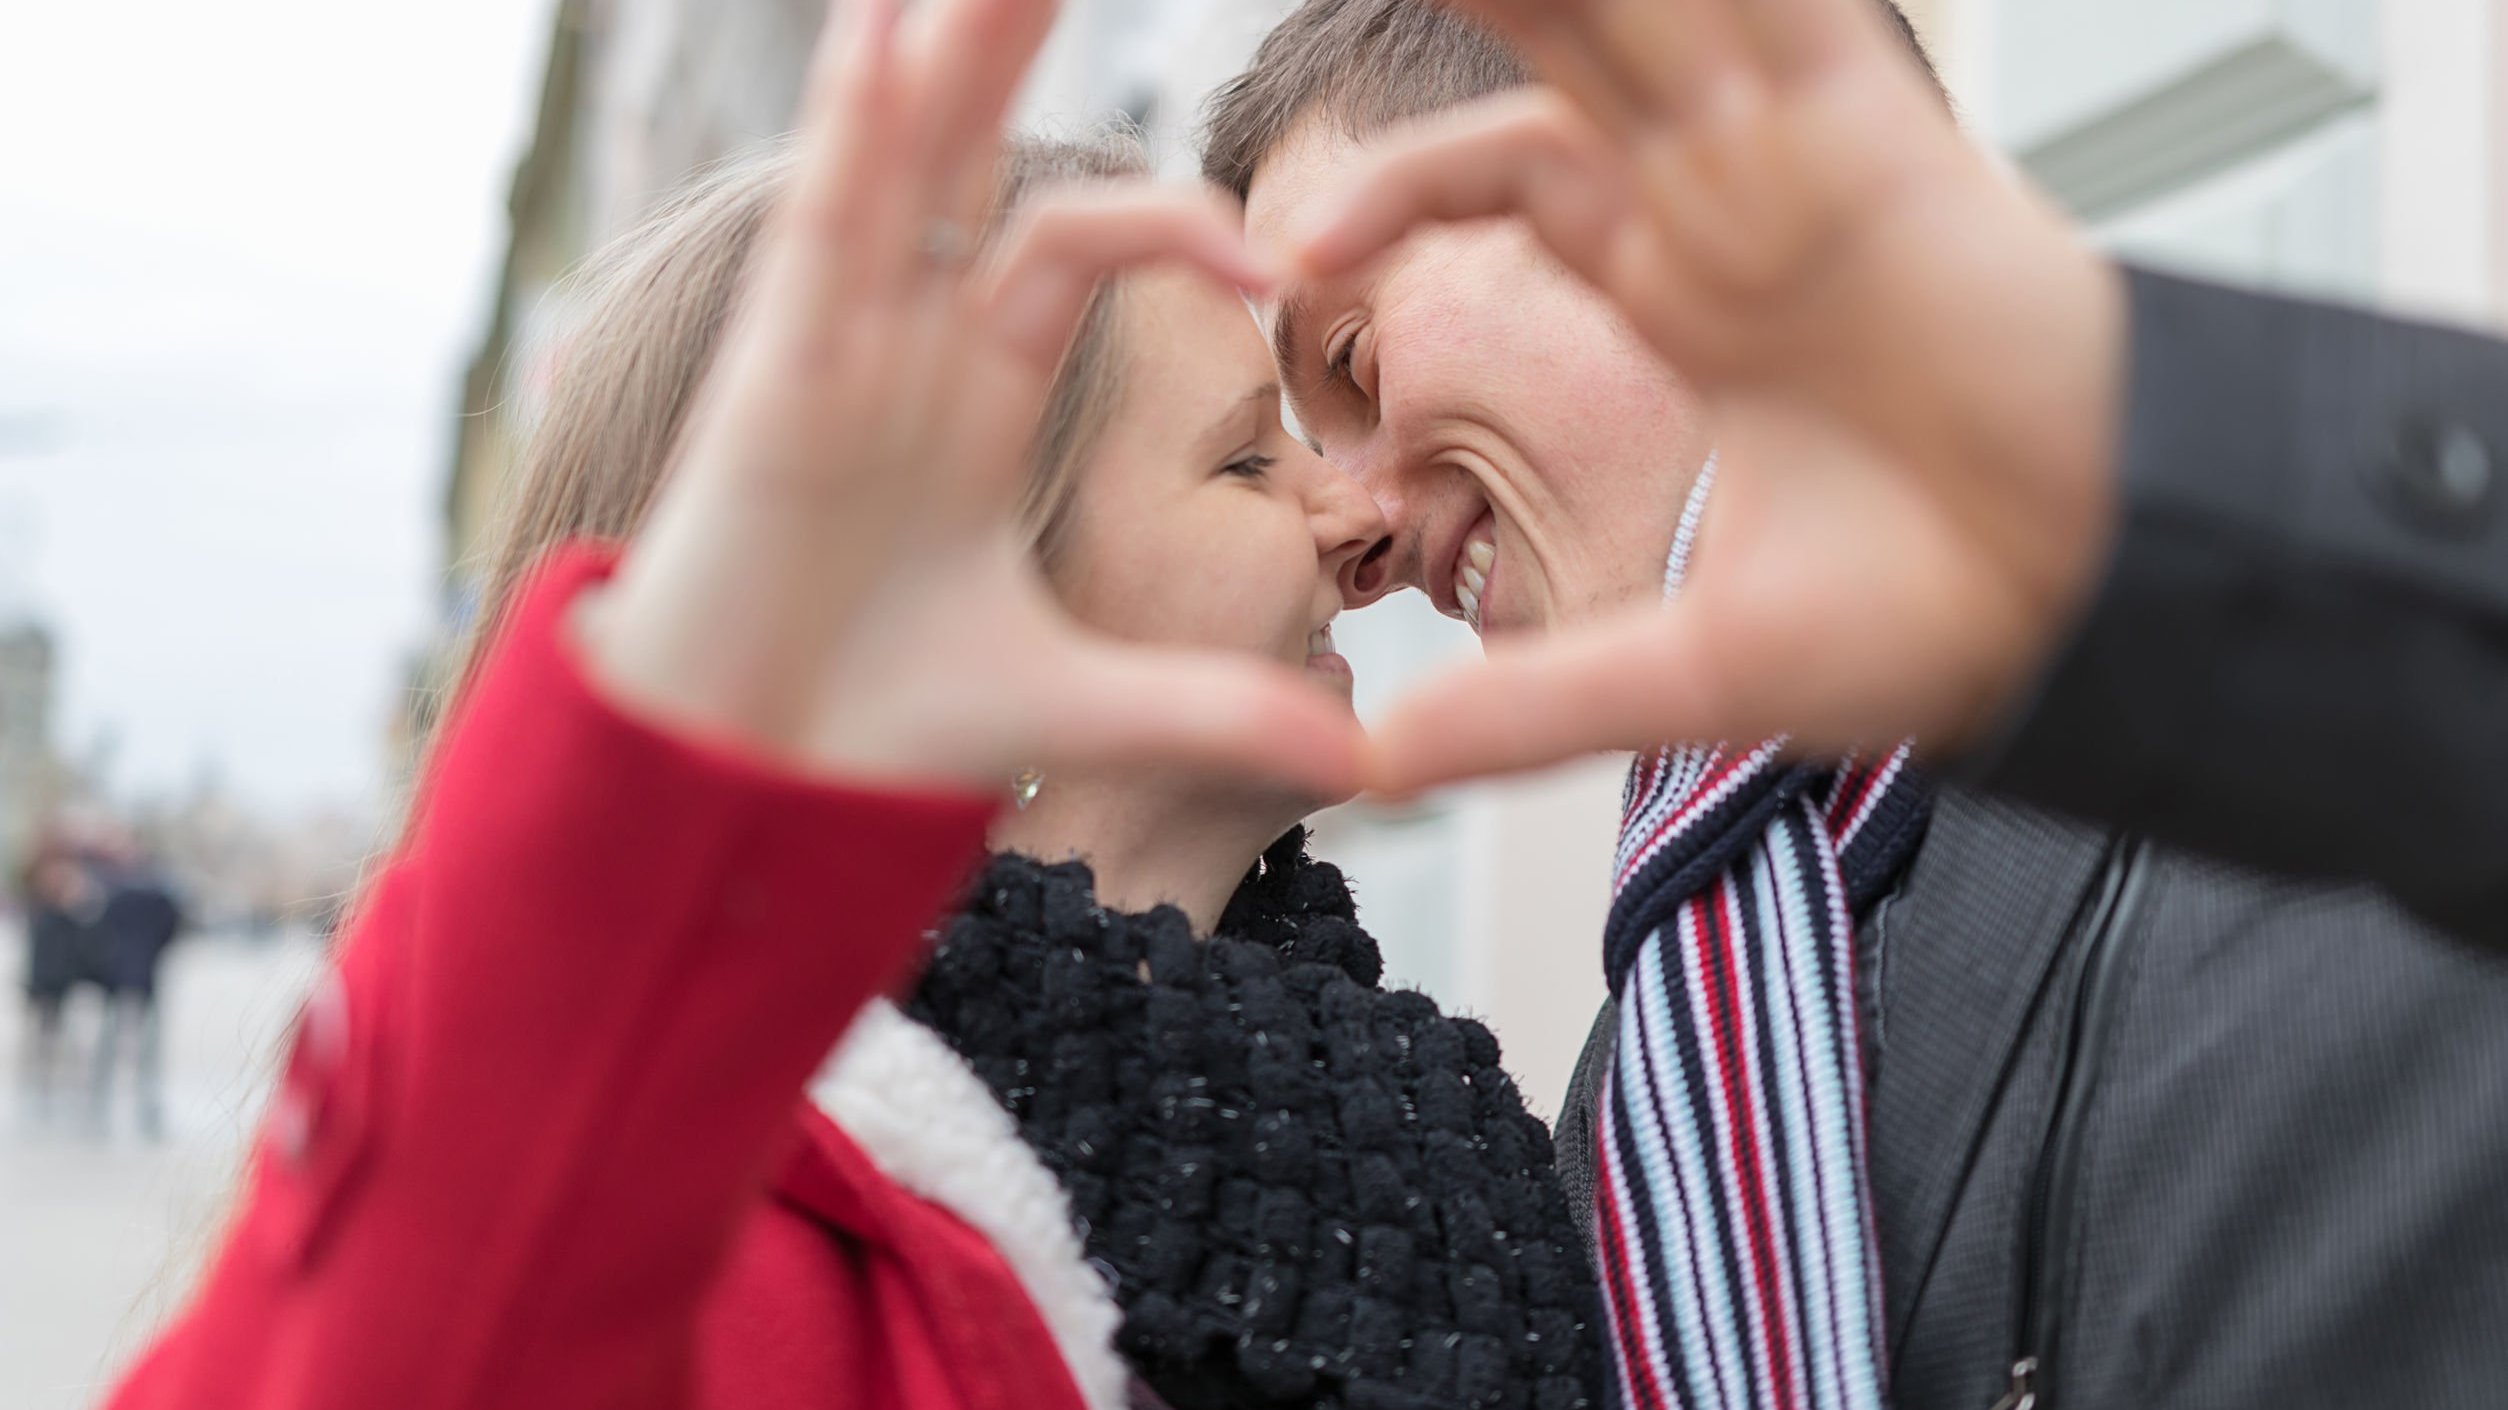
(556, 1058)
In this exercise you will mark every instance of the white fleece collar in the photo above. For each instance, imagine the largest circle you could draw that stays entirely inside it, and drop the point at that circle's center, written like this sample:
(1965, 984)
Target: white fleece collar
(930, 1124)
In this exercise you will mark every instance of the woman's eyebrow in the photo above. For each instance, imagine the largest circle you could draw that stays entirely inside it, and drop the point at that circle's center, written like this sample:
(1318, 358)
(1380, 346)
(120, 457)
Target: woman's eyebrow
(1225, 425)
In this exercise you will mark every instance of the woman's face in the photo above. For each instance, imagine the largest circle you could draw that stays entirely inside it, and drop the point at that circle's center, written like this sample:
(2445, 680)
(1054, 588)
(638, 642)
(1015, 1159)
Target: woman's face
(1198, 520)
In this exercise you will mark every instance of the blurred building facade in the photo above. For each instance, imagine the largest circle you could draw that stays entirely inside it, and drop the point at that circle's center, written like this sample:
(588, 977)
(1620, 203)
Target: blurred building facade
(2337, 146)
(27, 766)
(245, 869)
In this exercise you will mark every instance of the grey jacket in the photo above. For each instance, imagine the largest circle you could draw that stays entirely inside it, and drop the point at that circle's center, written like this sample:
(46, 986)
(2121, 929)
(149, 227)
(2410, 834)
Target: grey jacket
(2186, 1136)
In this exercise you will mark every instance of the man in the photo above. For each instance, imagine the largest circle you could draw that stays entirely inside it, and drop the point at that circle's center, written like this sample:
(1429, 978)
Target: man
(2144, 1129)
(2157, 517)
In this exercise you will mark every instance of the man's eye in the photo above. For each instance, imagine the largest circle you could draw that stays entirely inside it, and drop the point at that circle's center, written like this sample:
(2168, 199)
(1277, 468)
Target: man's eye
(1250, 468)
(1337, 365)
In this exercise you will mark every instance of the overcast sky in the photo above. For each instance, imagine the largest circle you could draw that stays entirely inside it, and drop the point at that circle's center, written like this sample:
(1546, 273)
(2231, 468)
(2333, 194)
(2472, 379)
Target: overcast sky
(245, 249)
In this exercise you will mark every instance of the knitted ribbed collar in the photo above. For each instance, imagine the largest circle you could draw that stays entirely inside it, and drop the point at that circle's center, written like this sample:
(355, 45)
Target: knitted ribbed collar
(1304, 1188)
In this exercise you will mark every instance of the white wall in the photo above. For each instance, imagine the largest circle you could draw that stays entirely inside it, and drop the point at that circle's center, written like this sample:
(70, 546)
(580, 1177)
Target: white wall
(2436, 158)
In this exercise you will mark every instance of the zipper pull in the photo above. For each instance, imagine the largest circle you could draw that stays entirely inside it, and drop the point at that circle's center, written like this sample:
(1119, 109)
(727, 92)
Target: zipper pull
(2024, 1392)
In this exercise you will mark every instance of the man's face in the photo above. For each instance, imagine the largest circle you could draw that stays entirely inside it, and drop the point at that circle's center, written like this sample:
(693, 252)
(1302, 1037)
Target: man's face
(1527, 450)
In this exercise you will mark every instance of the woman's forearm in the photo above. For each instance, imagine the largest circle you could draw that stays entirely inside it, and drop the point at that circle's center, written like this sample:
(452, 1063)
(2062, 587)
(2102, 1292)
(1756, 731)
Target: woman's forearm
(521, 1124)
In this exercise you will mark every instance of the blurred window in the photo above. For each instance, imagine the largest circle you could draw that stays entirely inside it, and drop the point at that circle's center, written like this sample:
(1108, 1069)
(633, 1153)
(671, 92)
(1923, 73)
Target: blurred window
(2226, 137)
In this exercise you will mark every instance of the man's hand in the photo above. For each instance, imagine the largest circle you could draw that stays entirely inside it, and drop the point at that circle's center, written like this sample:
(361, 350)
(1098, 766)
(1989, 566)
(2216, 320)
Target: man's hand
(1912, 362)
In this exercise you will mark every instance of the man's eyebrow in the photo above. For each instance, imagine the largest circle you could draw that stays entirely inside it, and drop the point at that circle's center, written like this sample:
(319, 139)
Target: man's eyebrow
(1286, 330)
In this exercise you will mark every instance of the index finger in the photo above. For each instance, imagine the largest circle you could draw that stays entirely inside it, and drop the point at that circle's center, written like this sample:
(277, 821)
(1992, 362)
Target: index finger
(1654, 43)
(845, 195)
(1207, 710)
(974, 57)
(1560, 58)
(1065, 243)
(1631, 63)
(1039, 281)
(1799, 34)
(1521, 154)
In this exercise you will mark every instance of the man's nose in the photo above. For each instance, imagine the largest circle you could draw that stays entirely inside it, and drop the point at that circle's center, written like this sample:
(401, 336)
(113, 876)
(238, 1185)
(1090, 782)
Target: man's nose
(1365, 468)
(1361, 532)
(1368, 577)
(1350, 534)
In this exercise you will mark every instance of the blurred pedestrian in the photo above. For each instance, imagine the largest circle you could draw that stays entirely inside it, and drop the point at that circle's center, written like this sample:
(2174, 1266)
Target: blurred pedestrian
(137, 920)
(64, 952)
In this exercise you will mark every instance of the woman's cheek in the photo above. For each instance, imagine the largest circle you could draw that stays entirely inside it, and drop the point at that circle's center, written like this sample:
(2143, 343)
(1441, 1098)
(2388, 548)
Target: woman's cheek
(1246, 580)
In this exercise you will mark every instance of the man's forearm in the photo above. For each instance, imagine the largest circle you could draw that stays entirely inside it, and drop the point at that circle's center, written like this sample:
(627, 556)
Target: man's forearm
(2298, 659)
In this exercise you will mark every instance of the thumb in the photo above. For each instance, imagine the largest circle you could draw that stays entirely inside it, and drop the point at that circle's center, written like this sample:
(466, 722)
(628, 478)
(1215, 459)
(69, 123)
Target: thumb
(1219, 712)
(1633, 682)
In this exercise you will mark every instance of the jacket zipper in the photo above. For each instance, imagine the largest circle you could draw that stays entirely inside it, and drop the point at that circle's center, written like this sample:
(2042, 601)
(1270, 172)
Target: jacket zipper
(2109, 913)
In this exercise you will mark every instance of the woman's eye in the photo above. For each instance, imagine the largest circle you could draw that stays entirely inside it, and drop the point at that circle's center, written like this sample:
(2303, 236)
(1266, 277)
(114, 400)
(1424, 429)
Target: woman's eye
(1250, 468)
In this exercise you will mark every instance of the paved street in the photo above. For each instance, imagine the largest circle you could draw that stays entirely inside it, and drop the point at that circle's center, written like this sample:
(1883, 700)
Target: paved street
(98, 1231)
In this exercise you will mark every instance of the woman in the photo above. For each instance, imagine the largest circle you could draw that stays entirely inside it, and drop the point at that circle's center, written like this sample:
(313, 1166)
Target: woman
(518, 1153)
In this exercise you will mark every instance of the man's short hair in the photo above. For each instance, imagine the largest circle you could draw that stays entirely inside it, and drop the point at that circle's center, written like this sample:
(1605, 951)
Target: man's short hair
(1367, 65)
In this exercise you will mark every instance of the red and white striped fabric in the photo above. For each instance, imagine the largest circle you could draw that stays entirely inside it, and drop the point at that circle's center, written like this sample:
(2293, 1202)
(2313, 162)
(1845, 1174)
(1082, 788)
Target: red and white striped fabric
(1733, 1220)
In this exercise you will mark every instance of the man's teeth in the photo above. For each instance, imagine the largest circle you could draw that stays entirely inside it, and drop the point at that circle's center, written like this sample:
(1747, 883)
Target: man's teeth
(1319, 641)
(1471, 581)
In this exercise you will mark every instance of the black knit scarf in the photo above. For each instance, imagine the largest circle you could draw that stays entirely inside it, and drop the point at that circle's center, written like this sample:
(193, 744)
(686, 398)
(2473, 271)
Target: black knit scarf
(1304, 1188)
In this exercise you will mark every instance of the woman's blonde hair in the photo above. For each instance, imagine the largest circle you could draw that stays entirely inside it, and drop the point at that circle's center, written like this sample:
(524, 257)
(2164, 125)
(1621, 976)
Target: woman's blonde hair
(655, 305)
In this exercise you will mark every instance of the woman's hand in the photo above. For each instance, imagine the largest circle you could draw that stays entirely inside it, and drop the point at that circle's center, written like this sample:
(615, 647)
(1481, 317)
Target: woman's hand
(830, 574)
(1911, 361)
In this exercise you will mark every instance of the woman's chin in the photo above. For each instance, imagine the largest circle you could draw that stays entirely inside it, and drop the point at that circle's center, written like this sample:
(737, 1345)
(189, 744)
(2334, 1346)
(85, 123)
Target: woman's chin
(1332, 670)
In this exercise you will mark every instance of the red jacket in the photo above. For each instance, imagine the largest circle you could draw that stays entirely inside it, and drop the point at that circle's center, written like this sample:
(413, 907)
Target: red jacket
(541, 1140)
